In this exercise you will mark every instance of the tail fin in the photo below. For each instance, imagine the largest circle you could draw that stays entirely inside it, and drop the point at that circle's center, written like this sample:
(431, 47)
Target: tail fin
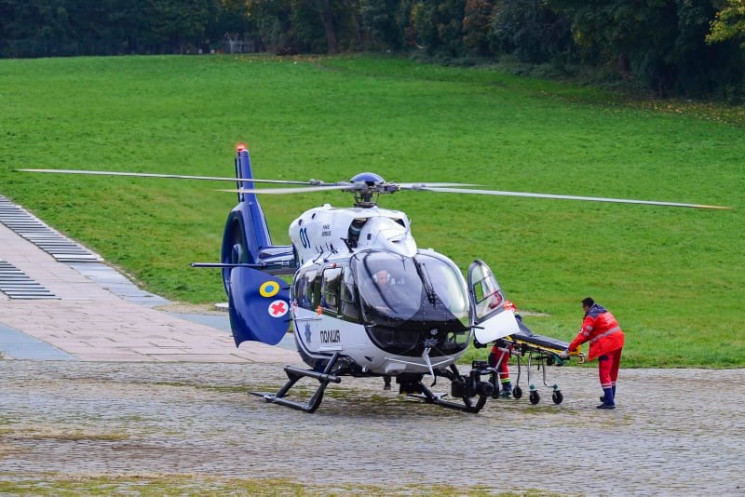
(257, 233)
(259, 306)
(246, 239)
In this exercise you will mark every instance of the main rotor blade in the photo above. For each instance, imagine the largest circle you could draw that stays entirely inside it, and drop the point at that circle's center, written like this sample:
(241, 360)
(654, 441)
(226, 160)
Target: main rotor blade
(422, 186)
(386, 188)
(279, 191)
(572, 197)
(169, 176)
(312, 182)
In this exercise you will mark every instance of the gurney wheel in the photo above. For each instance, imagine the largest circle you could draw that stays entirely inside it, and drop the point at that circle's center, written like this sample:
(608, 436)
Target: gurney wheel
(557, 397)
(535, 397)
(517, 392)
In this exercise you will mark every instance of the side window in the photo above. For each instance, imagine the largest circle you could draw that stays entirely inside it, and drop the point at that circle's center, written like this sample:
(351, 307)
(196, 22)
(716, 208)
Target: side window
(298, 291)
(330, 290)
(480, 290)
(487, 296)
(349, 304)
(306, 290)
(313, 290)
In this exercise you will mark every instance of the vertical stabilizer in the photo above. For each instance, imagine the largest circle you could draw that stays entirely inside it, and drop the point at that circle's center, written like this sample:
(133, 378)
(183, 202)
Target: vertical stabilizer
(256, 229)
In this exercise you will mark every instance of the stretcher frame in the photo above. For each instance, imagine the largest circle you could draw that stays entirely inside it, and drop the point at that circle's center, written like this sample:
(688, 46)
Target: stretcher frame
(538, 349)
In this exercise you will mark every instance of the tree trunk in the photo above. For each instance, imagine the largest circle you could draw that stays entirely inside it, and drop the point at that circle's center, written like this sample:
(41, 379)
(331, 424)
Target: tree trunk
(327, 19)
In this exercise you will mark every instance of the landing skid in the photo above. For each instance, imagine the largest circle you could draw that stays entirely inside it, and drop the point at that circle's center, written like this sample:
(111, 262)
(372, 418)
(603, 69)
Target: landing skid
(464, 387)
(294, 374)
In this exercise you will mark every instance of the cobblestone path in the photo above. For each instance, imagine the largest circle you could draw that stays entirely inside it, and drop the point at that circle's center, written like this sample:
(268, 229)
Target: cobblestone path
(667, 437)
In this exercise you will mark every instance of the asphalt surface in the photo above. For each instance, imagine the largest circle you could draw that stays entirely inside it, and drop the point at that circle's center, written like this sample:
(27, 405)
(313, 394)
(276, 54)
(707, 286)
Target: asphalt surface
(98, 380)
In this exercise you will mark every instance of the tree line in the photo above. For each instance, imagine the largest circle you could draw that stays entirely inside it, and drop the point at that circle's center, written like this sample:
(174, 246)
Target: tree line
(672, 47)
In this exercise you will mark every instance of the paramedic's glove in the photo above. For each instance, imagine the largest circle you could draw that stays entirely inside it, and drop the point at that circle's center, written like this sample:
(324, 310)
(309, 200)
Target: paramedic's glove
(565, 354)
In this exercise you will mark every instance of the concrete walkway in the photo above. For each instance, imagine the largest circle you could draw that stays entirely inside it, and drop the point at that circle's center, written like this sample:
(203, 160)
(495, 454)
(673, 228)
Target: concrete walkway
(85, 320)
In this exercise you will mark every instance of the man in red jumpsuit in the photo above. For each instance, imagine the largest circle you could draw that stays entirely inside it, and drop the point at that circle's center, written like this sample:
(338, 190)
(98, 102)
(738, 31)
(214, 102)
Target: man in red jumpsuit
(601, 329)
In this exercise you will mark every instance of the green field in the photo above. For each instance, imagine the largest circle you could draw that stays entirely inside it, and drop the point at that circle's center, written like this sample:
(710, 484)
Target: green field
(673, 277)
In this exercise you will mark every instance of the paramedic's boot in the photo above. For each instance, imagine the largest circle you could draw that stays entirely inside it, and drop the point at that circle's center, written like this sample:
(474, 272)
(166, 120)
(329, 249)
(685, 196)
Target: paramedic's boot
(608, 401)
(602, 397)
(506, 392)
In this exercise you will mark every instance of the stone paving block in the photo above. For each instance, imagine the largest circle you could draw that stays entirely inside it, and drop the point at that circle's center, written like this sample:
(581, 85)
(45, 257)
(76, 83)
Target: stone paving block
(114, 357)
(93, 324)
(215, 358)
(168, 342)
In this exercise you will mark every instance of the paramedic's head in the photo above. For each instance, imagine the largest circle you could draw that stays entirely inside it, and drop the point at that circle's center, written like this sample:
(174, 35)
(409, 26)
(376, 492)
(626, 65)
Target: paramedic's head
(587, 304)
(382, 277)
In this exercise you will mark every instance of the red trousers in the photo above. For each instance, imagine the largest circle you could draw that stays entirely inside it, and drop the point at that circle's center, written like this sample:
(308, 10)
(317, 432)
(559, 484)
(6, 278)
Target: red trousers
(503, 358)
(608, 365)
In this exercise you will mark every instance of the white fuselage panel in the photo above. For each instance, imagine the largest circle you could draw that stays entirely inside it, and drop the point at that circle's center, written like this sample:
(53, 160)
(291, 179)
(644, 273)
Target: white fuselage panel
(333, 230)
(319, 336)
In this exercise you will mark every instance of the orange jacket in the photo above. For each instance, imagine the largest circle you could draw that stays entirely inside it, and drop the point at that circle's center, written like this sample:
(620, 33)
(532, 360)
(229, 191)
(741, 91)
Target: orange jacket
(601, 329)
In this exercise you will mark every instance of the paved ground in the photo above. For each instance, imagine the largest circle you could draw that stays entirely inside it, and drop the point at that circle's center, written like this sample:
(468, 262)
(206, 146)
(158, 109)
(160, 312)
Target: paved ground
(96, 384)
(88, 322)
(668, 436)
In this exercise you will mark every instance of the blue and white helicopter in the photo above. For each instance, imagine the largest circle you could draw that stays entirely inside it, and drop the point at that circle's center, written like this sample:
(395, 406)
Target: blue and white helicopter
(364, 300)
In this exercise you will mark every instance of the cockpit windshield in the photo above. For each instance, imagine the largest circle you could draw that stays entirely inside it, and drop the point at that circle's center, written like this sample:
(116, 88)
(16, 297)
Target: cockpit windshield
(394, 289)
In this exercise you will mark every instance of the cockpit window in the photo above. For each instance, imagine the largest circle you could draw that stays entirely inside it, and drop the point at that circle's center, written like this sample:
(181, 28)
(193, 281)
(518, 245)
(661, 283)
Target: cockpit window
(394, 289)
(413, 304)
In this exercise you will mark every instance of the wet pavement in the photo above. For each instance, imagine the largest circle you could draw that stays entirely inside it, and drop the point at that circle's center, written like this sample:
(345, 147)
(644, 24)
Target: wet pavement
(98, 381)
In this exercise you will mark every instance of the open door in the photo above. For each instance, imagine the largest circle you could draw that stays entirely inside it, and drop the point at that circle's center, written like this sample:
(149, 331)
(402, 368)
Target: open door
(490, 317)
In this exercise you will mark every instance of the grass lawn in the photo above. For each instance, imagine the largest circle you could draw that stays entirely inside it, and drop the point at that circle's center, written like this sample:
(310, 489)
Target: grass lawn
(674, 278)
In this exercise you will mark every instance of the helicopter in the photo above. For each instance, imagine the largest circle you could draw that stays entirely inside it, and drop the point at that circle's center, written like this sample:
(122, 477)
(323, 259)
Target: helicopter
(364, 300)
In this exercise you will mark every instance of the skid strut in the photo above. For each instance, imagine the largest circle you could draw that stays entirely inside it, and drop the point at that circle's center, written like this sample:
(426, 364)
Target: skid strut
(463, 387)
(467, 388)
(294, 374)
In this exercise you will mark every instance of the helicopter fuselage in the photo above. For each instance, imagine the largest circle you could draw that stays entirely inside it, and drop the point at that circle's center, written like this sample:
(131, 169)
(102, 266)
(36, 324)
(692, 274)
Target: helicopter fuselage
(385, 312)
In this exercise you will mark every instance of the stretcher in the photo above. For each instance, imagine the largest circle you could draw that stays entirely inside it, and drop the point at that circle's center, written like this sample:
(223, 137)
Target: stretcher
(538, 350)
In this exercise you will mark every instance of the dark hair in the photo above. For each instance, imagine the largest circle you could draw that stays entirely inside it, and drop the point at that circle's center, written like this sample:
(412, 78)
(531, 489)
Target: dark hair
(588, 302)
